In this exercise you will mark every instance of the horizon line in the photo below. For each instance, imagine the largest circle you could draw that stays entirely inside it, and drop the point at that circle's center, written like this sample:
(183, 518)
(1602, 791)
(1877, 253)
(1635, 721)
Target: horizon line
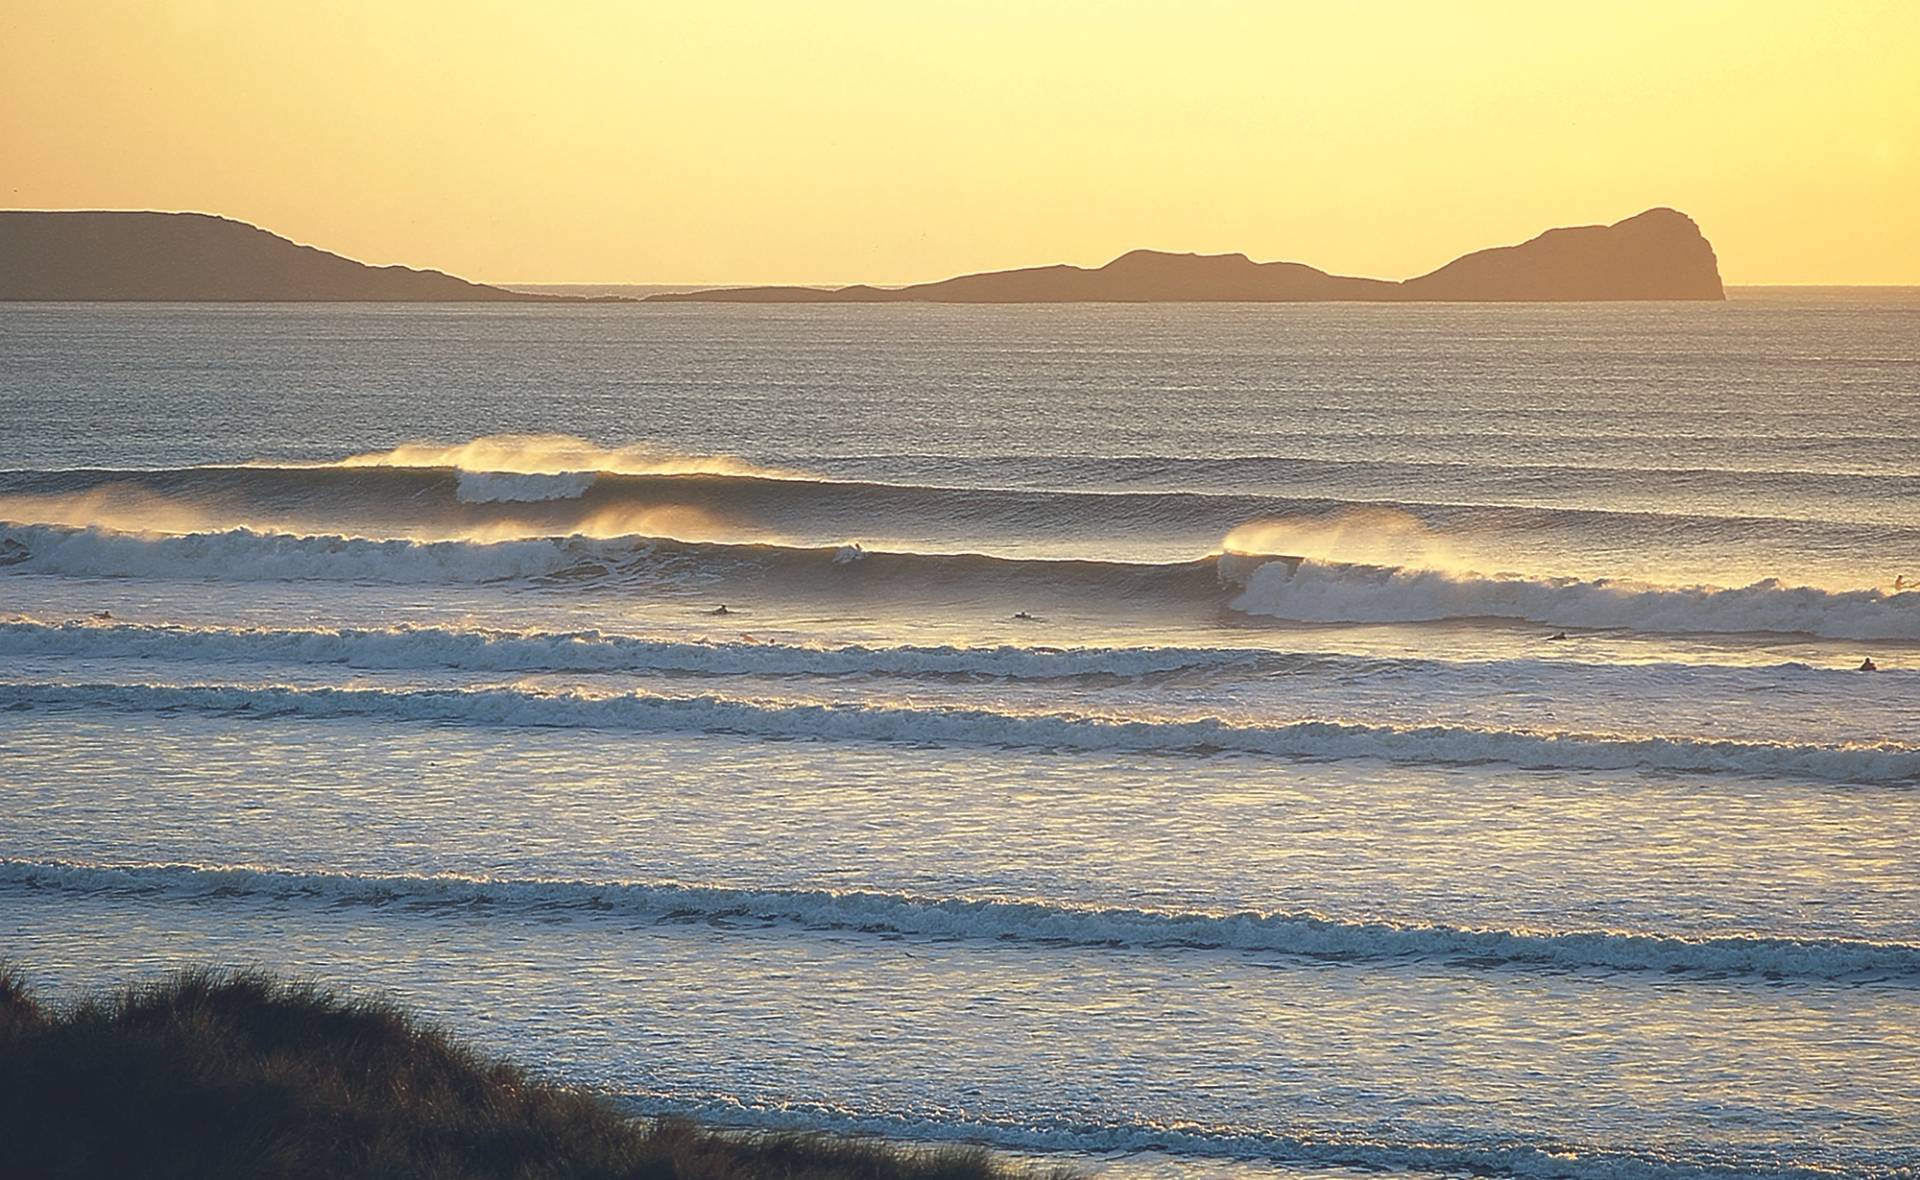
(726, 284)
(831, 286)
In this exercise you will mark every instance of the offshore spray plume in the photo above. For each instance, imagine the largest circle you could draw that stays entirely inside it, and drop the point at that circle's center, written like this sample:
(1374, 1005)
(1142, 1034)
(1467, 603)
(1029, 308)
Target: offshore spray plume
(1359, 536)
(552, 454)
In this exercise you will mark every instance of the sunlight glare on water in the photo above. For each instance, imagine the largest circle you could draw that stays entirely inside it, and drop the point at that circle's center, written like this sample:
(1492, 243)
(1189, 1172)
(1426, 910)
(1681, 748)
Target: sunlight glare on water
(1202, 740)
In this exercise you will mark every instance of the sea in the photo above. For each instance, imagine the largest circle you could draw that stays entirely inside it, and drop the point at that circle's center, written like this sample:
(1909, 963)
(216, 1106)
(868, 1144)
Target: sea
(1196, 741)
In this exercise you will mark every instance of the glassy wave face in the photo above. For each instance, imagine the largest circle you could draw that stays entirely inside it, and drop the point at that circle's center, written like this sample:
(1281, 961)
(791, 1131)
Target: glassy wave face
(1199, 740)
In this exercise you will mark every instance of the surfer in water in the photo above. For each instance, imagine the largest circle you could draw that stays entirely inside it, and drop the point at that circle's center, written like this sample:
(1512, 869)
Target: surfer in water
(720, 610)
(1867, 665)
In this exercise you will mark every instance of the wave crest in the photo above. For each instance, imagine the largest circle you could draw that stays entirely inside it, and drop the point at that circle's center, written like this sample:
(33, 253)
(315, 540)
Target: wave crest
(1285, 589)
(243, 554)
(596, 651)
(1315, 592)
(1876, 763)
(1304, 934)
(546, 454)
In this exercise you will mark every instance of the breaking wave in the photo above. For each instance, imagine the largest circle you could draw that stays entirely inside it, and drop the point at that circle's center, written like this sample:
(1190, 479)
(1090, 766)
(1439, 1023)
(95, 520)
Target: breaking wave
(454, 492)
(875, 912)
(487, 487)
(1312, 592)
(1867, 763)
(545, 454)
(245, 554)
(1332, 593)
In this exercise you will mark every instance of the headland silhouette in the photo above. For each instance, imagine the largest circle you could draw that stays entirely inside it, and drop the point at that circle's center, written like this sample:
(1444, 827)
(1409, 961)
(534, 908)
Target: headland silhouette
(195, 257)
(200, 258)
(1659, 254)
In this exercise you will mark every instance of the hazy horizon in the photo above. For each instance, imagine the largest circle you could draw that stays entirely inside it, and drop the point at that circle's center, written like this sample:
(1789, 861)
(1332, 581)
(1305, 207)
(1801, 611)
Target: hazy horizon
(762, 145)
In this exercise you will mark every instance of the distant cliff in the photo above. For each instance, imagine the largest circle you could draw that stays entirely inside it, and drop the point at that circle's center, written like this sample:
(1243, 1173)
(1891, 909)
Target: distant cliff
(195, 257)
(103, 256)
(1659, 254)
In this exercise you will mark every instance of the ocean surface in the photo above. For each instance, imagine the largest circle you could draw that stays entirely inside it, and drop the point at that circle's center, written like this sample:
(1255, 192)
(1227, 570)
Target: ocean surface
(1231, 741)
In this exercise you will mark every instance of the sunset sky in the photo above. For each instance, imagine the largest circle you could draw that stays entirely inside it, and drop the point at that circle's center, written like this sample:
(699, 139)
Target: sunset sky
(891, 142)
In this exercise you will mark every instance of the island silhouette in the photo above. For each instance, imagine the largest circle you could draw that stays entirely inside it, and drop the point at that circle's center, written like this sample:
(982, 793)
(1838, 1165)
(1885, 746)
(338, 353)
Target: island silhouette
(96, 256)
(1659, 254)
(195, 257)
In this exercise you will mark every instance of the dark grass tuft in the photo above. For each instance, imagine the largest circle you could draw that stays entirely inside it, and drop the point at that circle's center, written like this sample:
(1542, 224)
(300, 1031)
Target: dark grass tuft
(239, 1074)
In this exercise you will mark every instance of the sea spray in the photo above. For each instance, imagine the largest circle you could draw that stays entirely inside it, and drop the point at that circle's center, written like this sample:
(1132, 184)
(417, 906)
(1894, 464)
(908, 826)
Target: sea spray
(1315, 592)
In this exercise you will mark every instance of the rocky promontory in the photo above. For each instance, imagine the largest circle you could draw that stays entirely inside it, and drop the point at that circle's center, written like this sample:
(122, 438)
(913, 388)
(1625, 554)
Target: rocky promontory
(1659, 254)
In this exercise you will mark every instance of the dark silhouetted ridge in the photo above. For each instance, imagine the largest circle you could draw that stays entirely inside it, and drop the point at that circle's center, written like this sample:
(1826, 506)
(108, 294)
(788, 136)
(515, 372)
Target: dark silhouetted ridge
(196, 257)
(1659, 254)
(214, 1075)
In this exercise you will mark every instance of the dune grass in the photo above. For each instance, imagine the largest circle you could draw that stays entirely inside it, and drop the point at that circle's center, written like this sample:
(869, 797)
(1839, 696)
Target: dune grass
(240, 1074)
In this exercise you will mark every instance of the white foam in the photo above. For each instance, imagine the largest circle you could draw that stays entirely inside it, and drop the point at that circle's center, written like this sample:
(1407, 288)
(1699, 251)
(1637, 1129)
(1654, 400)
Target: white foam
(1887, 763)
(1318, 592)
(494, 487)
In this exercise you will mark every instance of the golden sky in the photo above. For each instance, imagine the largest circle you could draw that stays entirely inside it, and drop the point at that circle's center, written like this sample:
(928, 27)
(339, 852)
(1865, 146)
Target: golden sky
(893, 141)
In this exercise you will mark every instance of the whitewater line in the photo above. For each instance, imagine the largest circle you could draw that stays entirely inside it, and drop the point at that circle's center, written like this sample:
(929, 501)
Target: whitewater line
(595, 651)
(493, 650)
(1316, 592)
(1884, 763)
(1301, 933)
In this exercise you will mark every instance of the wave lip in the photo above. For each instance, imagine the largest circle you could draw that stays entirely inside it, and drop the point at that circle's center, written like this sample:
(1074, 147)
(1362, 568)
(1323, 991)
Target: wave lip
(542, 454)
(1882, 763)
(1319, 592)
(1249, 931)
(790, 499)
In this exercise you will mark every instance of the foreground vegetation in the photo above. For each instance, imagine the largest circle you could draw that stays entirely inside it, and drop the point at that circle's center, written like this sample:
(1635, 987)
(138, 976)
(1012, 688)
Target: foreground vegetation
(240, 1074)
